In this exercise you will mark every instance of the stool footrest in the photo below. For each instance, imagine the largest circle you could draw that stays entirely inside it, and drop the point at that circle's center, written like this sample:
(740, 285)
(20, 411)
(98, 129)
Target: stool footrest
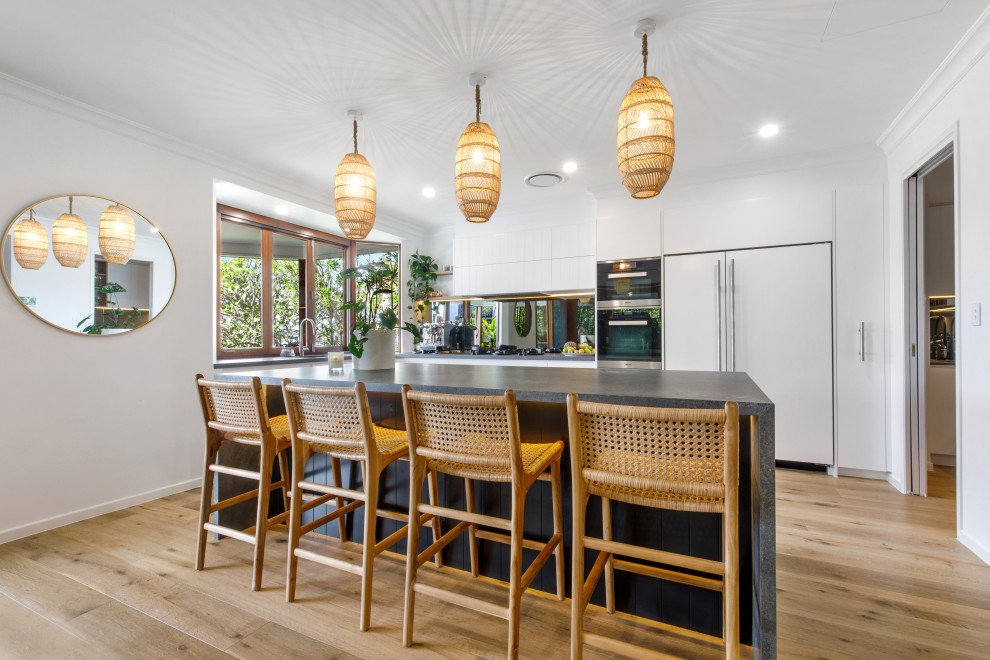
(529, 544)
(332, 562)
(469, 602)
(227, 531)
(659, 556)
(236, 472)
(665, 574)
(330, 517)
(541, 559)
(231, 501)
(467, 516)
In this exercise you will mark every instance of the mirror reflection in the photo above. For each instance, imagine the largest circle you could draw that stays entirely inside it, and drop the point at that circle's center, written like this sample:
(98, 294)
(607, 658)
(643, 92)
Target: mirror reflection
(88, 264)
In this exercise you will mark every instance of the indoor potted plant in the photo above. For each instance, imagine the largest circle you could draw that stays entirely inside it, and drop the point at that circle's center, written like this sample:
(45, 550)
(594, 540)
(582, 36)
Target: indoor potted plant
(115, 319)
(372, 342)
(422, 275)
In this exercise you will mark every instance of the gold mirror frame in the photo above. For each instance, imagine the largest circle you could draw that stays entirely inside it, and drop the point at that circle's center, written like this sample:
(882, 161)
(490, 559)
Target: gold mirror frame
(94, 250)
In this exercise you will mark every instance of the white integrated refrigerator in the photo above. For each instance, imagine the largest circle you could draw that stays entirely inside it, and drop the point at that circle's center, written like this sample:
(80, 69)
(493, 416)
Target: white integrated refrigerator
(766, 312)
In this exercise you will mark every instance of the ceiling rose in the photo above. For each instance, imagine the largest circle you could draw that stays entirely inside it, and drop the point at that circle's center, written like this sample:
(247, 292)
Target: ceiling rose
(645, 131)
(354, 191)
(478, 165)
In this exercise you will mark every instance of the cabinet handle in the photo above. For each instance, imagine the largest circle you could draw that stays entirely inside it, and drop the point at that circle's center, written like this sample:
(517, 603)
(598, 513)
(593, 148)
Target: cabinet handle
(862, 341)
(718, 314)
(732, 311)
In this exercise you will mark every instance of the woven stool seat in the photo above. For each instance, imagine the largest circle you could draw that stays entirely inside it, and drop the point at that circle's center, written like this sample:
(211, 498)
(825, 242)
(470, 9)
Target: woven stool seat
(678, 459)
(234, 411)
(390, 442)
(477, 438)
(535, 460)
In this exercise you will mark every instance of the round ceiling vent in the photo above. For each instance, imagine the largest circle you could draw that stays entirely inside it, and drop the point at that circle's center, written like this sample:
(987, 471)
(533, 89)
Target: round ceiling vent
(544, 179)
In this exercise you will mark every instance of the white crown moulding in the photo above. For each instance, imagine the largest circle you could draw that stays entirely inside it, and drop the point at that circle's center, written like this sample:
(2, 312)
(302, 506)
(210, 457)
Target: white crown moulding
(960, 60)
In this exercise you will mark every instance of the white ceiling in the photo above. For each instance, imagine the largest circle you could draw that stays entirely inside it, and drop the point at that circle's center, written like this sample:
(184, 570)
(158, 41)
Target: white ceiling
(269, 83)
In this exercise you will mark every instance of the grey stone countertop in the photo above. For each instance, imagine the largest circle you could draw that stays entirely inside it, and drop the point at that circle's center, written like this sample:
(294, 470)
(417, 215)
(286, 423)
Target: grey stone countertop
(578, 357)
(547, 384)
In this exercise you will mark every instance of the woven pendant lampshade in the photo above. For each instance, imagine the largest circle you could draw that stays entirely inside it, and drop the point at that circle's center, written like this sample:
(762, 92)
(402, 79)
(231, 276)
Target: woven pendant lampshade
(645, 132)
(30, 243)
(117, 235)
(478, 166)
(70, 242)
(354, 192)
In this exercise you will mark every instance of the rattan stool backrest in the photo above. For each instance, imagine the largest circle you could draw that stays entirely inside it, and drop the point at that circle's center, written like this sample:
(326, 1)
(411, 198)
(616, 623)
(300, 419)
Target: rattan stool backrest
(671, 457)
(233, 406)
(338, 417)
(480, 431)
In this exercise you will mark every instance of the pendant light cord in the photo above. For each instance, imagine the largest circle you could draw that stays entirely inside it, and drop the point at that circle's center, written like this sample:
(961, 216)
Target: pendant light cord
(355, 136)
(477, 104)
(644, 55)
(70, 204)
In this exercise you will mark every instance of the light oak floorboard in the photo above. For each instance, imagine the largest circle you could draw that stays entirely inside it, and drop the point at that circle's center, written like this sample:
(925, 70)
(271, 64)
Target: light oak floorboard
(863, 572)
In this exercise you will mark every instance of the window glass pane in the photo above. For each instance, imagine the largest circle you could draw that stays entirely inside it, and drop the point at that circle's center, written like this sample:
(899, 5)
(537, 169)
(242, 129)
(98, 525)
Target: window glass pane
(541, 324)
(329, 295)
(240, 286)
(586, 320)
(484, 316)
(379, 283)
(288, 288)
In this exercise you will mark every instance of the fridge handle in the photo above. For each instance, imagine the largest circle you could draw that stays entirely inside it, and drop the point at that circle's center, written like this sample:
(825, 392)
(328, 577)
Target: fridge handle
(862, 341)
(731, 293)
(718, 314)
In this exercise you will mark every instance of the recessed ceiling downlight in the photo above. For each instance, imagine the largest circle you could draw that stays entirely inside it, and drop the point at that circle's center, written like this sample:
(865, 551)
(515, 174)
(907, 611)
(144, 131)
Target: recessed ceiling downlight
(544, 179)
(769, 130)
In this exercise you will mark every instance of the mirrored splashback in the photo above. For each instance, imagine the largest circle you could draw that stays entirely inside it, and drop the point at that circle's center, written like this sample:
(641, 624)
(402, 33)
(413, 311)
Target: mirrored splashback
(88, 265)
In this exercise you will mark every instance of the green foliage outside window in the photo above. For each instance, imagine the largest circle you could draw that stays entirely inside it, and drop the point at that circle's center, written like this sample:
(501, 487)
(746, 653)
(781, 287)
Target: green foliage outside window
(240, 302)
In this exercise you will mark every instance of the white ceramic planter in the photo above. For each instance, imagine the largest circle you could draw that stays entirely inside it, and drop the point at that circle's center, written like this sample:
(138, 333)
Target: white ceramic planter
(379, 351)
(114, 331)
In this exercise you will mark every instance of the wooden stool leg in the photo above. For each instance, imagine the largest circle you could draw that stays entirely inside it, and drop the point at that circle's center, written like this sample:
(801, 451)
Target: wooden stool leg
(609, 565)
(205, 501)
(261, 522)
(416, 476)
(578, 603)
(370, 536)
(730, 592)
(299, 459)
(473, 529)
(558, 525)
(434, 498)
(515, 568)
(338, 482)
(283, 467)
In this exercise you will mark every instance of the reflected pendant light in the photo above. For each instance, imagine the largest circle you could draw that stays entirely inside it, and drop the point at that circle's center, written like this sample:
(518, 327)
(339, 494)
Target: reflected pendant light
(645, 131)
(30, 243)
(354, 191)
(478, 167)
(117, 235)
(70, 242)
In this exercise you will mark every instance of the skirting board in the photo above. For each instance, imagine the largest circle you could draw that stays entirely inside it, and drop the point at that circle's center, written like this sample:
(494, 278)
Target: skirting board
(948, 460)
(974, 546)
(14, 533)
(863, 474)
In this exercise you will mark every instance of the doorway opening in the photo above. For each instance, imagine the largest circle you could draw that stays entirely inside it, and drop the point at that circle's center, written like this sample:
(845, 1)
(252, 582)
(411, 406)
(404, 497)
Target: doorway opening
(932, 323)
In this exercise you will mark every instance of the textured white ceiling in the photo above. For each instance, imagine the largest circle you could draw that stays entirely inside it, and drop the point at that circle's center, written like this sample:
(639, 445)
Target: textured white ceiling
(269, 83)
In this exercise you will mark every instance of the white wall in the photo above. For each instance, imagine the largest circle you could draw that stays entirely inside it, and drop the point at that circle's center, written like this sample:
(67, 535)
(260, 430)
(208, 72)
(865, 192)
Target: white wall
(952, 106)
(96, 424)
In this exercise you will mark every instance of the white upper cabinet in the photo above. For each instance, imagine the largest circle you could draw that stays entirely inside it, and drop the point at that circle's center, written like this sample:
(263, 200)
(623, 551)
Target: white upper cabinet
(572, 241)
(628, 228)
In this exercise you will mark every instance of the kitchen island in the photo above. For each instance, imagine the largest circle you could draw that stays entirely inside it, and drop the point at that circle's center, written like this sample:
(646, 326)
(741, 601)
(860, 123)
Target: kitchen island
(541, 393)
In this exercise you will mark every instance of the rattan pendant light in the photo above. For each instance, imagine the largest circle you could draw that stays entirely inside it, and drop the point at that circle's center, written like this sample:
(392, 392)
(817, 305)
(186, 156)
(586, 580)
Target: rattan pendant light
(645, 132)
(117, 235)
(354, 192)
(30, 243)
(70, 242)
(478, 167)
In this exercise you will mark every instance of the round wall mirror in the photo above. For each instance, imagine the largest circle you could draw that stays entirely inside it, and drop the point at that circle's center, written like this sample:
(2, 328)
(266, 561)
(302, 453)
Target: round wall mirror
(524, 317)
(88, 265)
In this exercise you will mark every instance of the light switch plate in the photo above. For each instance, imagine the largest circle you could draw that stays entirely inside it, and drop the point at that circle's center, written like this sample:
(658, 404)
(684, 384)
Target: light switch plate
(974, 314)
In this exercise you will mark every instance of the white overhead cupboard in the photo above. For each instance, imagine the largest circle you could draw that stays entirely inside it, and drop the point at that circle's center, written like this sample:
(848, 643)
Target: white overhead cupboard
(766, 312)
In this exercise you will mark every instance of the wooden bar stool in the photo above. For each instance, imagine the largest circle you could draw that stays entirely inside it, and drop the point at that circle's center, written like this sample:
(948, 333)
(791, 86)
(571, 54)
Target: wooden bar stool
(234, 411)
(477, 438)
(680, 459)
(336, 421)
